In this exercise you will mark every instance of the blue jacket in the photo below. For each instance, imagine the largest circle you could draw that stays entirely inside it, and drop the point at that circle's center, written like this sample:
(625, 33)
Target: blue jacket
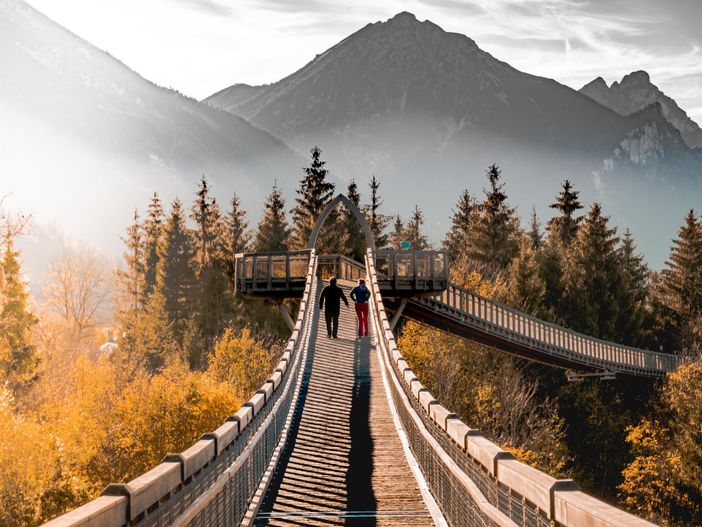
(360, 294)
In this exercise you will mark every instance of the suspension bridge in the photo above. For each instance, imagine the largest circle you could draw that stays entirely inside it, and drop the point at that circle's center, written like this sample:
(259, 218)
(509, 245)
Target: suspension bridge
(344, 433)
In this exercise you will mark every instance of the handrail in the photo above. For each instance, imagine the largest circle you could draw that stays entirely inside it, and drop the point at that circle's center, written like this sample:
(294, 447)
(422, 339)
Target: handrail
(497, 318)
(232, 459)
(525, 495)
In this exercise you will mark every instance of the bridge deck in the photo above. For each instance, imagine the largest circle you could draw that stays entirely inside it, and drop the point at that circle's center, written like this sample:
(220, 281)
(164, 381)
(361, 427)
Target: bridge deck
(343, 463)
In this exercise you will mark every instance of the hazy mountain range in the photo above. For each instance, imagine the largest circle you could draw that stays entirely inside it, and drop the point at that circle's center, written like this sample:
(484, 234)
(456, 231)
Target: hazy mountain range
(427, 111)
(87, 139)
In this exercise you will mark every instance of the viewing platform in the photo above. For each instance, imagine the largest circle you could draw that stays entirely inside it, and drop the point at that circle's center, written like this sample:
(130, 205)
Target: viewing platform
(278, 275)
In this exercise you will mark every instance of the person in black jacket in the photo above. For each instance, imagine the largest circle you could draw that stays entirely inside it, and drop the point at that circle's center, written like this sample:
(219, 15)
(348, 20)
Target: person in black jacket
(332, 295)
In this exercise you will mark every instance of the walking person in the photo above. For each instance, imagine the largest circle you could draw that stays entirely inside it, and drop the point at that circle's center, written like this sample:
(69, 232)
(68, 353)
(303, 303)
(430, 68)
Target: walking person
(332, 295)
(360, 295)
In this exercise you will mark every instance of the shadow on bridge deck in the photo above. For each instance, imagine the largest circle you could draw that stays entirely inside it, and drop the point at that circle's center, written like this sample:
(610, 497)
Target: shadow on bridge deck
(343, 463)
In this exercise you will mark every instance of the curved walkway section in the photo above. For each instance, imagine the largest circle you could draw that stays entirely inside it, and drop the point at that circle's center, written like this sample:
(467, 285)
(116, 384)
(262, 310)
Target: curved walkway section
(343, 462)
(467, 314)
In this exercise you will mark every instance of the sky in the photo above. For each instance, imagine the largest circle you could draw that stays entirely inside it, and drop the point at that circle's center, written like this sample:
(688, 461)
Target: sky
(201, 46)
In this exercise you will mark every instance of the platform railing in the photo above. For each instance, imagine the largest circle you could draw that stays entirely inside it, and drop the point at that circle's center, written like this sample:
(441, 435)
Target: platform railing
(214, 481)
(415, 271)
(498, 319)
(271, 271)
(339, 266)
(473, 480)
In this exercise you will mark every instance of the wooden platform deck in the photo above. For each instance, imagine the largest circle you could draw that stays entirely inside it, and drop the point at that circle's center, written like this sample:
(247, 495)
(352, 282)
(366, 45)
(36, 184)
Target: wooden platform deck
(343, 463)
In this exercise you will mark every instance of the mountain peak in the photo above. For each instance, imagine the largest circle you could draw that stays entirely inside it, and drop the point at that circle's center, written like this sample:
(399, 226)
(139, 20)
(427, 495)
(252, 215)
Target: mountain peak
(636, 93)
(404, 17)
(636, 77)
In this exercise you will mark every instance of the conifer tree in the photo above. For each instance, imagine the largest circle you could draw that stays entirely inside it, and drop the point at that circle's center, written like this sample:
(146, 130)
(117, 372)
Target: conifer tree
(237, 234)
(313, 195)
(413, 232)
(131, 280)
(19, 361)
(593, 278)
(273, 233)
(398, 234)
(565, 226)
(215, 303)
(536, 239)
(354, 240)
(494, 242)
(377, 222)
(527, 287)
(463, 217)
(153, 232)
(634, 292)
(175, 281)
(682, 277)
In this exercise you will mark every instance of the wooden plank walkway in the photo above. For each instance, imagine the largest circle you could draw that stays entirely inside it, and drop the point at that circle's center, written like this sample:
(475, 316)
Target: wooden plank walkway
(343, 463)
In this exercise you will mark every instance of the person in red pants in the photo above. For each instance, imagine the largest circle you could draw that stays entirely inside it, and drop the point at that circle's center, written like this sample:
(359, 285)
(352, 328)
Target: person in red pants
(360, 295)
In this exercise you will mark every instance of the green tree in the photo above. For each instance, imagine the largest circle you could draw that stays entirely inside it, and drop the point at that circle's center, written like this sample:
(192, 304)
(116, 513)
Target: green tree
(19, 360)
(175, 282)
(594, 278)
(354, 238)
(527, 287)
(130, 281)
(462, 220)
(565, 226)
(377, 221)
(237, 233)
(398, 234)
(273, 233)
(536, 239)
(633, 300)
(413, 232)
(494, 242)
(313, 195)
(682, 276)
(153, 232)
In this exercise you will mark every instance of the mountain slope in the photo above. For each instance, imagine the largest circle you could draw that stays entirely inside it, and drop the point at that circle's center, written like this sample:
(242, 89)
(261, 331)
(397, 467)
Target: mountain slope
(74, 114)
(412, 103)
(634, 93)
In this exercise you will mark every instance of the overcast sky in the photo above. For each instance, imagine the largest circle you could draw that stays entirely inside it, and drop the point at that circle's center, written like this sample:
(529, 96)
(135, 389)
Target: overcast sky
(202, 46)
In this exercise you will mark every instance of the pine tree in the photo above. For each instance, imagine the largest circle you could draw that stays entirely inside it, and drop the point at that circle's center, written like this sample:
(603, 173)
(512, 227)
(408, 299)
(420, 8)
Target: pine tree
(634, 293)
(153, 232)
(398, 234)
(354, 239)
(463, 217)
(682, 277)
(202, 215)
(175, 281)
(413, 232)
(19, 360)
(237, 228)
(494, 242)
(377, 222)
(131, 280)
(594, 278)
(536, 239)
(527, 287)
(313, 195)
(273, 233)
(565, 226)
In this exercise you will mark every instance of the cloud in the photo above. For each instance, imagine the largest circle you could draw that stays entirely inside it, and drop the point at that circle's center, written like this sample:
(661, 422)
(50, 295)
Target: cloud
(211, 7)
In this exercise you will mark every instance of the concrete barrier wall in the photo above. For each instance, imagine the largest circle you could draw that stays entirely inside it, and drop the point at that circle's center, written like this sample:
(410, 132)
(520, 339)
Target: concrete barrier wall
(561, 500)
(123, 503)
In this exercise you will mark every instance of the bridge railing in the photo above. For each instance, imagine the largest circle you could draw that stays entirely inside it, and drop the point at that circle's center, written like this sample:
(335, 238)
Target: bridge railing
(493, 317)
(474, 481)
(414, 271)
(271, 272)
(214, 481)
(339, 266)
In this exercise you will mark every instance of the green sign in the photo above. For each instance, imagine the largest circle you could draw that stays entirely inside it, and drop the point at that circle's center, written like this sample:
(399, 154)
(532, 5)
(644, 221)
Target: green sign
(405, 245)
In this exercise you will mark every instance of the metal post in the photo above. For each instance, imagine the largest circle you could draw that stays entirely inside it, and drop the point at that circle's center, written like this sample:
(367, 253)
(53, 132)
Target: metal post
(398, 314)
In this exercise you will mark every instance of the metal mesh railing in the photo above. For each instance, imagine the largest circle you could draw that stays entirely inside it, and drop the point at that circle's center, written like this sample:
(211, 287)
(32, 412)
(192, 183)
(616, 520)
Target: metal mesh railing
(339, 266)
